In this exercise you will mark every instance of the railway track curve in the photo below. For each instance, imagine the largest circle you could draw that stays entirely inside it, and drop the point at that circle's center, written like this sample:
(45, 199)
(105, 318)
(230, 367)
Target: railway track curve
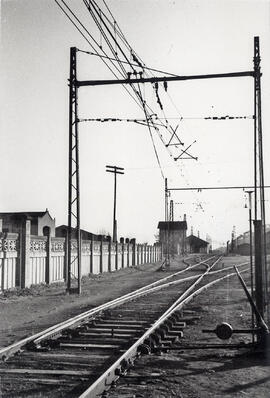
(85, 355)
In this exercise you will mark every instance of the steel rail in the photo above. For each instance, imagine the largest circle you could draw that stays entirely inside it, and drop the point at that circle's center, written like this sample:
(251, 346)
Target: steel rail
(186, 293)
(190, 278)
(166, 285)
(129, 296)
(157, 287)
(111, 374)
(56, 329)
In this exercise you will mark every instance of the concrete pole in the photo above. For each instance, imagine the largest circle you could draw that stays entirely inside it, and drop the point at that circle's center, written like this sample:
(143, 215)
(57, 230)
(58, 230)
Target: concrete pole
(25, 253)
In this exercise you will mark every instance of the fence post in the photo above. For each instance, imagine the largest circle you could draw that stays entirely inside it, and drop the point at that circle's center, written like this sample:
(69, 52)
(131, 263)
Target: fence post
(101, 256)
(123, 254)
(121, 241)
(66, 256)
(116, 255)
(133, 250)
(110, 256)
(127, 243)
(18, 259)
(48, 258)
(145, 254)
(91, 255)
(25, 255)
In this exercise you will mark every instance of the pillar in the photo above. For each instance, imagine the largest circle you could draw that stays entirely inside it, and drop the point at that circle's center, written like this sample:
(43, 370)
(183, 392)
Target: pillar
(101, 256)
(66, 256)
(109, 254)
(25, 253)
(123, 254)
(91, 254)
(48, 257)
(116, 256)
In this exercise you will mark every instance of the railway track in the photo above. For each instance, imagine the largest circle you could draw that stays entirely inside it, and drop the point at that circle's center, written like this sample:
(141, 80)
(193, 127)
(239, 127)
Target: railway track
(84, 356)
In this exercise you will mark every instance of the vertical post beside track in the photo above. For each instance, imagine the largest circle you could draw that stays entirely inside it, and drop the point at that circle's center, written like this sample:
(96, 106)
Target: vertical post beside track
(259, 174)
(74, 180)
(259, 296)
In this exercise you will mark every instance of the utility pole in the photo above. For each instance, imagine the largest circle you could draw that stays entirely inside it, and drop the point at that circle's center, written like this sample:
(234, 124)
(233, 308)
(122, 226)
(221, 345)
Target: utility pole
(115, 170)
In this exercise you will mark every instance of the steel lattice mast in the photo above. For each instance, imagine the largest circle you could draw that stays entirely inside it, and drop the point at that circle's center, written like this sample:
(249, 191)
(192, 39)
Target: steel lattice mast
(74, 191)
(73, 180)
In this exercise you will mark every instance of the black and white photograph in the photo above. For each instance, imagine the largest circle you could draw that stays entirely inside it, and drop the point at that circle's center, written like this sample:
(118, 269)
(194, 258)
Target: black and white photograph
(134, 204)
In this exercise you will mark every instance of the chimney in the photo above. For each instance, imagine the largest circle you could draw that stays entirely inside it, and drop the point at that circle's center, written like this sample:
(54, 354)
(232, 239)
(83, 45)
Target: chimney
(191, 230)
(198, 234)
(185, 217)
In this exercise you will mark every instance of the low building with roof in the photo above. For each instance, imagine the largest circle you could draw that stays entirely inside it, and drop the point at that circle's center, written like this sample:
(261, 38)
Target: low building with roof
(41, 222)
(172, 236)
(62, 230)
(196, 245)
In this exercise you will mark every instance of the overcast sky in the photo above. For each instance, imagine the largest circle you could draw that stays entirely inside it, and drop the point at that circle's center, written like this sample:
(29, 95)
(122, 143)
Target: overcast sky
(181, 37)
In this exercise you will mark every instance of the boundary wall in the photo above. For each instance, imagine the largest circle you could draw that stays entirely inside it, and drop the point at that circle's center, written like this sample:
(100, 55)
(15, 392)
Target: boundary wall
(27, 260)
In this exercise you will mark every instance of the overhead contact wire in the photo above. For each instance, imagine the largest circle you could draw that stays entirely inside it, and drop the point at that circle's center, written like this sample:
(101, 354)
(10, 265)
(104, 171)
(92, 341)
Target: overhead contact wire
(72, 13)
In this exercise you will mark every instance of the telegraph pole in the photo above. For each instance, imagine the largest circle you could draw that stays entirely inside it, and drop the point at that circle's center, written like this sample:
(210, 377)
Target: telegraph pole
(115, 170)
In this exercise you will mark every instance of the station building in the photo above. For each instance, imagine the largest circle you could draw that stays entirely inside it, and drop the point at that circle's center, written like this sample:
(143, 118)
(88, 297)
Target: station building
(172, 236)
(196, 245)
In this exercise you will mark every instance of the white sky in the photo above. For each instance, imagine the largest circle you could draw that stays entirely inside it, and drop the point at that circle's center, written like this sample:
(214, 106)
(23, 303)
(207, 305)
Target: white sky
(182, 37)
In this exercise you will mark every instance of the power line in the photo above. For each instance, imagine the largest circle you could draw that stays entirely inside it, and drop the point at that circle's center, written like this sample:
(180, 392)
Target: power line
(102, 17)
(199, 189)
(152, 119)
(151, 135)
(137, 92)
(97, 9)
(129, 63)
(83, 35)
